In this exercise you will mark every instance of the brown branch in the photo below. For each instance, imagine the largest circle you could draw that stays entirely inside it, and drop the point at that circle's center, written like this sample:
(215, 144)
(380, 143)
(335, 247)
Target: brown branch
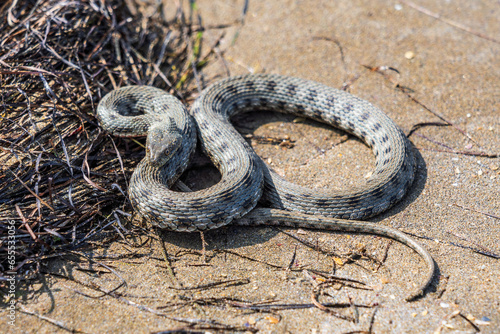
(31, 191)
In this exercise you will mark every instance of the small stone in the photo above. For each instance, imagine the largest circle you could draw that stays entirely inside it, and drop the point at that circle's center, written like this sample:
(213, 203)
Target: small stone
(409, 54)
(272, 320)
(338, 261)
(299, 120)
(425, 312)
(483, 322)
(444, 305)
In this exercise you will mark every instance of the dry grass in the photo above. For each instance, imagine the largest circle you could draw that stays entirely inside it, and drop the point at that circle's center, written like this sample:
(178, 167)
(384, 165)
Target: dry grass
(62, 178)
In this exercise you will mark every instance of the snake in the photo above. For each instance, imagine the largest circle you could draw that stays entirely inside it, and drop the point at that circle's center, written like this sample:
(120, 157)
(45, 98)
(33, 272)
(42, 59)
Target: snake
(249, 191)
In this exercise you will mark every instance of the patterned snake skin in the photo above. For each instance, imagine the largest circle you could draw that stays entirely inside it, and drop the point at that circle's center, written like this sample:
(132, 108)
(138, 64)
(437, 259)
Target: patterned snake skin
(246, 179)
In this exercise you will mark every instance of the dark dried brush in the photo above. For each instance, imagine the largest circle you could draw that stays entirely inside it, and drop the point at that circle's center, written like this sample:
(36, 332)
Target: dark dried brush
(62, 178)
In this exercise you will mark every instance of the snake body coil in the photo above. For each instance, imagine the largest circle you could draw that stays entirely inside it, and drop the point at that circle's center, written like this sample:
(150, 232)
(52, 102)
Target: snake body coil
(246, 179)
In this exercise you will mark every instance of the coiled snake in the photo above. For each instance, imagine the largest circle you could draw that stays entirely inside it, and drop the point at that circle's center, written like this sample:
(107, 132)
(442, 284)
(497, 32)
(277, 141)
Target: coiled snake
(171, 139)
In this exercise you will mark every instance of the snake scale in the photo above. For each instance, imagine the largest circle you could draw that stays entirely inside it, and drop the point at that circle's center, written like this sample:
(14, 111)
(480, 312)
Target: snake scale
(245, 179)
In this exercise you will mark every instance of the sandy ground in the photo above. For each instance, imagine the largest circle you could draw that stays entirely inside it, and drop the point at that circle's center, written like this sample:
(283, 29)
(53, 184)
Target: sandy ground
(452, 72)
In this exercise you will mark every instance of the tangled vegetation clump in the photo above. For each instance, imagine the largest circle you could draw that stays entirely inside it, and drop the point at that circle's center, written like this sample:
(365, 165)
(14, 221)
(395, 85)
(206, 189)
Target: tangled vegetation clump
(61, 176)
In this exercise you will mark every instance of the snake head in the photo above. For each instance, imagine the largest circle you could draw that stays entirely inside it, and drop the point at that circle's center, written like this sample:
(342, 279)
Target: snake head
(162, 142)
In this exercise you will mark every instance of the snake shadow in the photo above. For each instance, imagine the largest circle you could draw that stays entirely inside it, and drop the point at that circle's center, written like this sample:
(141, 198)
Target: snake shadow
(202, 174)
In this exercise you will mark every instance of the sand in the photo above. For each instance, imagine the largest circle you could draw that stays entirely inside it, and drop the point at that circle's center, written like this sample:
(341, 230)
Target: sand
(450, 71)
